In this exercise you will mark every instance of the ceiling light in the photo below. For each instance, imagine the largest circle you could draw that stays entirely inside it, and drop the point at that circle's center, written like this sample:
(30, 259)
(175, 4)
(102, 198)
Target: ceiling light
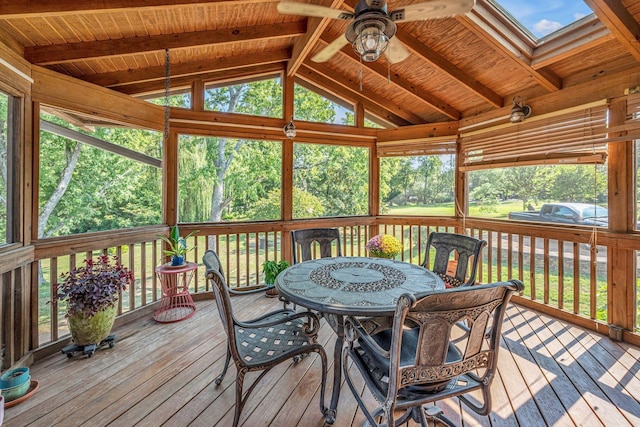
(290, 129)
(369, 35)
(520, 111)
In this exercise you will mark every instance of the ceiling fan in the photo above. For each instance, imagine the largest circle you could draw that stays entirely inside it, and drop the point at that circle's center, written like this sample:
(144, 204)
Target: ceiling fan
(373, 28)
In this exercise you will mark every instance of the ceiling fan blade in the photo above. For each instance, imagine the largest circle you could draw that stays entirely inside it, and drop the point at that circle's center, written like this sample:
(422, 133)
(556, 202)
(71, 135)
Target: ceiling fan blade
(331, 49)
(431, 10)
(397, 52)
(306, 9)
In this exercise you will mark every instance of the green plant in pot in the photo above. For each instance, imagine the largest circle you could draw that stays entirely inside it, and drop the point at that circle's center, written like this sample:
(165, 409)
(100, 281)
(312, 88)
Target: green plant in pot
(91, 293)
(271, 269)
(177, 246)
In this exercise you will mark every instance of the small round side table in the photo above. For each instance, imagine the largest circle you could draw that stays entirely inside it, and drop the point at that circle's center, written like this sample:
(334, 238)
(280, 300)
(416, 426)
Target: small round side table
(176, 303)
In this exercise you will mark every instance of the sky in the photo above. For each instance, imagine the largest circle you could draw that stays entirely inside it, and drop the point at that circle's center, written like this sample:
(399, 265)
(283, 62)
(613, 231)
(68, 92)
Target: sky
(543, 17)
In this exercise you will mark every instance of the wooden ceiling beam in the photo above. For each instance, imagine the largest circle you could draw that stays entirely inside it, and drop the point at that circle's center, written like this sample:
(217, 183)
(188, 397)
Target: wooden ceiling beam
(485, 25)
(303, 45)
(61, 53)
(32, 9)
(345, 90)
(426, 98)
(442, 64)
(351, 86)
(619, 20)
(119, 78)
(231, 76)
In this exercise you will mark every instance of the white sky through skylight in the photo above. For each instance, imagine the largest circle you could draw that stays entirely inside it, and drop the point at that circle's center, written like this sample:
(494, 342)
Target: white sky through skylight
(542, 17)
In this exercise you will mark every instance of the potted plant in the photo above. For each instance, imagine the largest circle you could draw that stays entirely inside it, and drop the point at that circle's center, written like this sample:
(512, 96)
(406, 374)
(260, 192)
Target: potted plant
(271, 269)
(177, 246)
(384, 246)
(91, 293)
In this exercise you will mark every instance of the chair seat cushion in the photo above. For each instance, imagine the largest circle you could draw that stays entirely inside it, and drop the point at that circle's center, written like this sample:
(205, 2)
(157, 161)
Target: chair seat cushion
(379, 366)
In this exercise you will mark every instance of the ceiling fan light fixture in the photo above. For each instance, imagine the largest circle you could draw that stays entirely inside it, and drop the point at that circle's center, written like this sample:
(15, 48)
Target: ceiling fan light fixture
(369, 36)
(520, 110)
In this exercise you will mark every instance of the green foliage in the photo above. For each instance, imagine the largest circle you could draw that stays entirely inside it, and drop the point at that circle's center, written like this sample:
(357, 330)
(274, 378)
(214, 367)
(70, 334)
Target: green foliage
(334, 175)
(272, 268)
(93, 287)
(177, 245)
(428, 179)
(106, 191)
(312, 107)
(306, 206)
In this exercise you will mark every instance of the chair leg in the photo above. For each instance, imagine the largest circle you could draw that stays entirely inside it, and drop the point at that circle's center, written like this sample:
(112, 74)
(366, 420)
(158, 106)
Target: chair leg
(433, 413)
(239, 400)
(323, 382)
(219, 378)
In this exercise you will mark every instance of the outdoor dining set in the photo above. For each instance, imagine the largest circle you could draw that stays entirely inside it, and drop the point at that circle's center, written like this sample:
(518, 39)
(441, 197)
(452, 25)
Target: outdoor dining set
(416, 334)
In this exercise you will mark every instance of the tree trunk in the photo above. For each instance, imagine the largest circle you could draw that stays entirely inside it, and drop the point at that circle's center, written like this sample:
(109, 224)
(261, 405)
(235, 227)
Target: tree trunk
(67, 173)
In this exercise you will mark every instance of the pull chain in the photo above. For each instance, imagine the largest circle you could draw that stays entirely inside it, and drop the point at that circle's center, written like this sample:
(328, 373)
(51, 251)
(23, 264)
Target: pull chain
(360, 74)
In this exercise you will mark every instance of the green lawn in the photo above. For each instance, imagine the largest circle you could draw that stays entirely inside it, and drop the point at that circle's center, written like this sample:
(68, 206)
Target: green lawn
(498, 210)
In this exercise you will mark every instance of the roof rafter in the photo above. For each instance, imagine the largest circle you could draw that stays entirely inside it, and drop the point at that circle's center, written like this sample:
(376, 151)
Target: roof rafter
(437, 61)
(425, 97)
(29, 8)
(303, 46)
(485, 25)
(44, 55)
(621, 23)
(345, 90)
(229, 75)
(119, 78)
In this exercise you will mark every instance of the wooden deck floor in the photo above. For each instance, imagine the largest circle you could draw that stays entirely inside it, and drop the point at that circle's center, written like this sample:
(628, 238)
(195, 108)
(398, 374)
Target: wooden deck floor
(551, 374)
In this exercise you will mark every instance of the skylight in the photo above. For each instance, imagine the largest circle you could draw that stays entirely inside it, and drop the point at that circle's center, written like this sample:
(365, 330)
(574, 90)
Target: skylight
(543, 17)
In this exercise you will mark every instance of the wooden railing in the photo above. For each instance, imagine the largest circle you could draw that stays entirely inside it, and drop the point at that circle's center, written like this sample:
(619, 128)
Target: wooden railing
(563, 273)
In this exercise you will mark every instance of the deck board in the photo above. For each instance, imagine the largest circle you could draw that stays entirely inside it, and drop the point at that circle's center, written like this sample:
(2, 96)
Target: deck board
(550, 373)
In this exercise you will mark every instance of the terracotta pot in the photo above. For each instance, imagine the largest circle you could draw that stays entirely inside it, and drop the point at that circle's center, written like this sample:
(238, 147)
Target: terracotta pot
(271, 292)
(92, 330)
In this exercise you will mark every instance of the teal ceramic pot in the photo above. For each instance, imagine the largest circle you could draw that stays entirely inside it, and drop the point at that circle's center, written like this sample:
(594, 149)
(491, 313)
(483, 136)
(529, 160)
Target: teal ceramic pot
(16, 392)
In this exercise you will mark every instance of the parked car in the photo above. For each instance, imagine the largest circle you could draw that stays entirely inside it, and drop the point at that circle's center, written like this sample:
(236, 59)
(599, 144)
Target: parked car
(566, 213)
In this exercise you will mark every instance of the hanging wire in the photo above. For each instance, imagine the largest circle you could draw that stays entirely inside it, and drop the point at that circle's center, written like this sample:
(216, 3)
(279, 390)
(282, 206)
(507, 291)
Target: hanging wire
(360, 74)
(167, 87)
(388, 71)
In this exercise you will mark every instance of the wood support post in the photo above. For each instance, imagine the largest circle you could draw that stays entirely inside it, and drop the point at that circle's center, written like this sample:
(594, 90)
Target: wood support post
(621, 265)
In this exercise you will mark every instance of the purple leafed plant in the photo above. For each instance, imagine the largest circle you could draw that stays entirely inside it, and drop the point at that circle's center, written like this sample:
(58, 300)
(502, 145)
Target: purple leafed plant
(94, 286)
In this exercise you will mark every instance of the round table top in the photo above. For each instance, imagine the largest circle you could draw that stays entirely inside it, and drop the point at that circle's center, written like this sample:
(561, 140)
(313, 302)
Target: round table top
(356, 286)
(175, 269)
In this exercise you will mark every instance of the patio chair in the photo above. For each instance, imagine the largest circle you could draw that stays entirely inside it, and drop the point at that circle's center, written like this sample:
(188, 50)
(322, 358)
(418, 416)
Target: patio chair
(262, 343)
(304, 240)
(447, 247)
(407, 368)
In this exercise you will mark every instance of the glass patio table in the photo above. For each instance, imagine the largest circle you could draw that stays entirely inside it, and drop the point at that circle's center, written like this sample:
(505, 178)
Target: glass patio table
(355, 286)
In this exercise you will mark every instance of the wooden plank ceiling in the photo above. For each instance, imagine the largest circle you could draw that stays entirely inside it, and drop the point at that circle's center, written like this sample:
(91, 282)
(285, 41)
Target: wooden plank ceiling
(458, 67)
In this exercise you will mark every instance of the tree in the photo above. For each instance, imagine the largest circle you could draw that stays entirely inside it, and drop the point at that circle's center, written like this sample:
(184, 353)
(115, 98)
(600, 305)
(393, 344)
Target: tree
(525, 182)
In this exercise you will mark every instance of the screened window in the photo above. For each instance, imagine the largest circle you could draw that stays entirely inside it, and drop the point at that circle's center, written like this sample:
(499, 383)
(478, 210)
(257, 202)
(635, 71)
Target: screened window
(417, 185)
(227, 179)
(180, 99)
(330, 180)
(569, 194)
(95, 178)
(313, 106)
(259, 98)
